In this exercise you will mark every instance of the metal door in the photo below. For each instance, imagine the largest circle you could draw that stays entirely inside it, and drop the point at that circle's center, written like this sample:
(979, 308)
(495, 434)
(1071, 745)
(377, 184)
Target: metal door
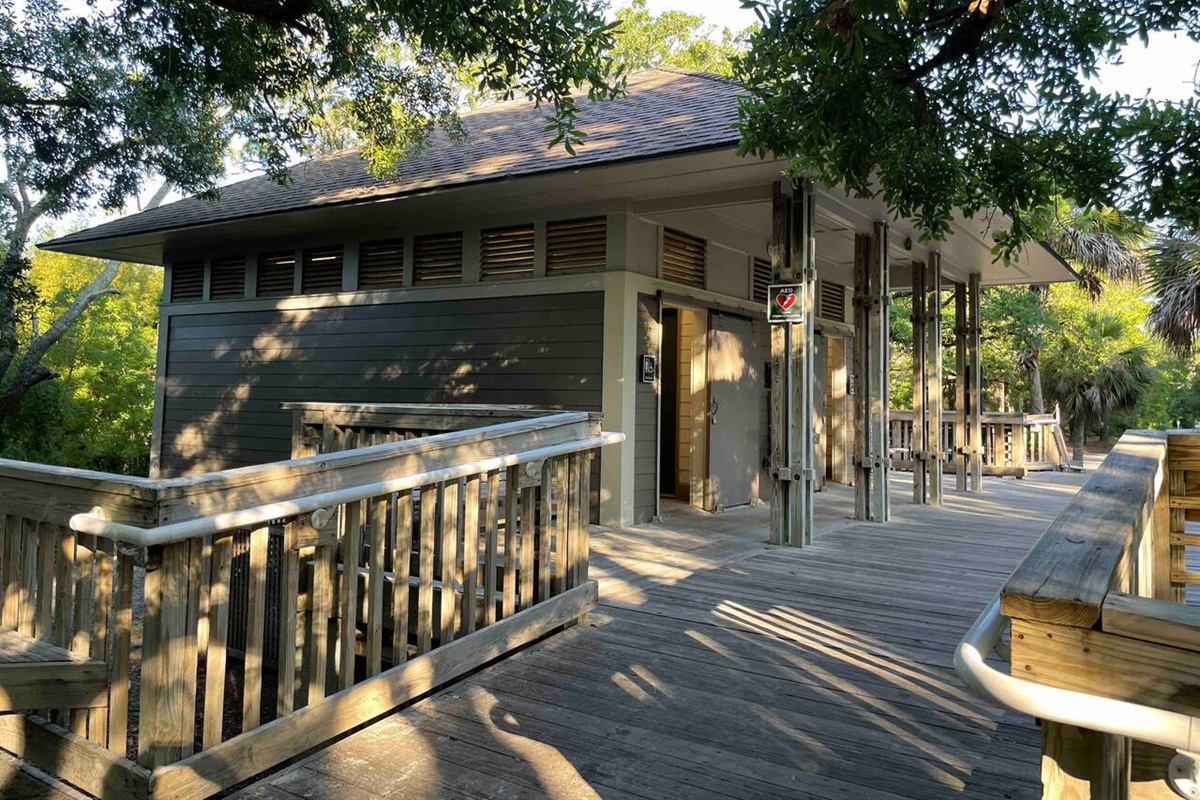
(735, 391)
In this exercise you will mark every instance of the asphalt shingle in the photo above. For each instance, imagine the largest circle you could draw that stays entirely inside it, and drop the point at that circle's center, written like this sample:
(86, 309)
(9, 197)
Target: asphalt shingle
(665, 111)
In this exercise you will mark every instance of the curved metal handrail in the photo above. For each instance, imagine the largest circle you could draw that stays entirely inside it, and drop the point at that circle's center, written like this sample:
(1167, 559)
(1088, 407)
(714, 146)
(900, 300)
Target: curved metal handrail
(1106, 715)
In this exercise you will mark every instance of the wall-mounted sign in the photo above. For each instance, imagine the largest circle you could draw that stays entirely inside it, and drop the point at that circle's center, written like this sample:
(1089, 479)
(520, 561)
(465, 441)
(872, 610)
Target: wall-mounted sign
(785, 303)
(649, 368)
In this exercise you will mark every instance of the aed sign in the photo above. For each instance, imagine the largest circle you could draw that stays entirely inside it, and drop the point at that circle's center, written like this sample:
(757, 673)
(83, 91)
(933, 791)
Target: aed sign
(785, 303)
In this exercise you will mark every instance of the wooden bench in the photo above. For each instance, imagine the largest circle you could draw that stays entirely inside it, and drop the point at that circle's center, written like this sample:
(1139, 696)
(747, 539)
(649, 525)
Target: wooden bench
(36, 675)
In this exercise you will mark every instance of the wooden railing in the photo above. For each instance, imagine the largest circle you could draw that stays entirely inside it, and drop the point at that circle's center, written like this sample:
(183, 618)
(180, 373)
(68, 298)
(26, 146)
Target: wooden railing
(388, 568)
(1013, 444)
(1098, 607)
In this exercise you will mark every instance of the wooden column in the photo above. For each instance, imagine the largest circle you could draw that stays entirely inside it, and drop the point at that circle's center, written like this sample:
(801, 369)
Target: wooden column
(871, 304)
(960, 387)
(920, 421)
(792, 456)
(933, 378)
(975, 386)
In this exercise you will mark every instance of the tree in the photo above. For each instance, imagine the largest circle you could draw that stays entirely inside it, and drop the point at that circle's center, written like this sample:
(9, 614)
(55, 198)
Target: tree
(1173, 278)
(1100, 361)
(98, 415)
(976, 105)
(673, 38)
(1102, 245)
(94, 104)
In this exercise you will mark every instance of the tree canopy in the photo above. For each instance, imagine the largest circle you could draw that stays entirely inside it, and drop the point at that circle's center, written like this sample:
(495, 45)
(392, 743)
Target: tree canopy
(673, 38)
(978, 105)
(95, 102)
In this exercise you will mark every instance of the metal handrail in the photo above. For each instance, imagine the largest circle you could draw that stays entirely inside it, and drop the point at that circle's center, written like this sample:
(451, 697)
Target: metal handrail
(94, 522)
(1106, 715)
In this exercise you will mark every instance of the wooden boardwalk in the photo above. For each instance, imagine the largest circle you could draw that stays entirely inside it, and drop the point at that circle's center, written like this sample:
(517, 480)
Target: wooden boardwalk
(718, 667)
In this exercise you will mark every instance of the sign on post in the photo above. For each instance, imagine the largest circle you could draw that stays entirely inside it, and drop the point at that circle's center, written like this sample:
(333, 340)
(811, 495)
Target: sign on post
(785, 303)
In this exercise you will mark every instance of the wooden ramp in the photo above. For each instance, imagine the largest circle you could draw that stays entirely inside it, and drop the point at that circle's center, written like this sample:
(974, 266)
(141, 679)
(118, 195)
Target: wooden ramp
(718, 667)
(35, 674)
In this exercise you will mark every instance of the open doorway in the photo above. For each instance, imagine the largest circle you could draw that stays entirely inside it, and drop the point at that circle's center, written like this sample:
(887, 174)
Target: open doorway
(683, 451)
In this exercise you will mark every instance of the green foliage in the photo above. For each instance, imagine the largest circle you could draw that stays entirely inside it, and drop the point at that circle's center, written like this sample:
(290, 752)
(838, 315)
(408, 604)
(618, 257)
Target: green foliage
(1102, 360)
(974, 106)
(1173, 277)
(98, 415)
(673, 38)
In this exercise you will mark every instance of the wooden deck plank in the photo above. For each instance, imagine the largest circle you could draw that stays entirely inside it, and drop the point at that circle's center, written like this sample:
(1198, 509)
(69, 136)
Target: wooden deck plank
(719, 667)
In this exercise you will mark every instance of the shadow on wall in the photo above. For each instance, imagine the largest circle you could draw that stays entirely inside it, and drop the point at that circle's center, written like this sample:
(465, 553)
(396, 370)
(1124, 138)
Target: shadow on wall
(227, 373)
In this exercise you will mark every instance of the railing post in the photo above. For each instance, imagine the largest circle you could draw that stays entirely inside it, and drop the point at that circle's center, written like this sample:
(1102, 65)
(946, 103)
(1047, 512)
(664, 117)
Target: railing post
(164, 728)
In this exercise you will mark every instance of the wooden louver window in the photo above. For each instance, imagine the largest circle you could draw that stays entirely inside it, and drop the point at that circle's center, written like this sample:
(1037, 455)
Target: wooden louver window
(832, 301)
(187, 281)
(761, 278)
(683, 258)
(506, 253)
(322, 270)
(276, 274)
(381, 264)
(228, 280)
(437, 258)
(576, 245)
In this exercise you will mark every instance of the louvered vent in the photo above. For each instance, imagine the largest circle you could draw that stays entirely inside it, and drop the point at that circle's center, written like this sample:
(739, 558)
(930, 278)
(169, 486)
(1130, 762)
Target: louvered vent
(576, 245)
(437, 258)
(187, 281)
(506, 253)
(276, 274)
(832, 301)
(322, 270)
(228, 280)
(762, 279)
(683, 258)
(381, 264)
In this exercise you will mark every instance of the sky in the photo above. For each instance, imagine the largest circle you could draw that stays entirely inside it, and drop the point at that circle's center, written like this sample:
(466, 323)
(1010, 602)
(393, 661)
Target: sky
(1165, 70)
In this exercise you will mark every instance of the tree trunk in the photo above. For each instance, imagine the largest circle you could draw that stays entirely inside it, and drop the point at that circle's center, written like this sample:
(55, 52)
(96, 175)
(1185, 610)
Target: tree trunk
(1033, 371)
(1078, 427)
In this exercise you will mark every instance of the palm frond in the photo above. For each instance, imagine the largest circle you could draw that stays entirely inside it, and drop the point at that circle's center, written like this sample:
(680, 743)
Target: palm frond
(1173, 278)
(1100, 243)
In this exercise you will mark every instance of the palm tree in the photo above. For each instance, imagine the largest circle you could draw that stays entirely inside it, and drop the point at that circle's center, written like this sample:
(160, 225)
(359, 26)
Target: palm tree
(1096, 371)
(1173, 277)
(1101, 244)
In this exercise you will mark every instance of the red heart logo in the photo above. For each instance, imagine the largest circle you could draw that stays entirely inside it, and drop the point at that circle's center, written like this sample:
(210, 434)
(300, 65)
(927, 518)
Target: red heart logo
(785, 301)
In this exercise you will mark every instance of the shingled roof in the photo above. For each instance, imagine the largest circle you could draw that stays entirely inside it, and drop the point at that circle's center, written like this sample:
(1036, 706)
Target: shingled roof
(665, 111)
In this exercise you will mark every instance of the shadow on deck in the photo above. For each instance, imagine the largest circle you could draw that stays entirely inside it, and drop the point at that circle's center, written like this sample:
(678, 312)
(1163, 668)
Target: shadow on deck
(720, 667)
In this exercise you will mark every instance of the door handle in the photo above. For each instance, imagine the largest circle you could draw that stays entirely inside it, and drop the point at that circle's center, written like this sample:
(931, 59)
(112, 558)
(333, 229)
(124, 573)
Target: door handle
(712, 410)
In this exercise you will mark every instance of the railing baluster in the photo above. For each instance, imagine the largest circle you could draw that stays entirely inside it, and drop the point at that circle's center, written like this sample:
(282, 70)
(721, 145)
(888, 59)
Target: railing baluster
(42, 588)
(218, 637)
(289, 593)
(528, 534)
(449, 560)
(377, 509)
(351, 555)
(256, 605)
(470, 556)
(102, 607)
(402, 566)
(585, 507)
(13, 540)
(560, 527)
(545, 533)
(512, 505)
(491, 561)
(427, 534)
(324, 575)
(118, 691)
(83, 583)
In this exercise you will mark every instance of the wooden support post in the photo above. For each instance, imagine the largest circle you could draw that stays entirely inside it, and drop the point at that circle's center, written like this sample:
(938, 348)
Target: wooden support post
(960, 387)
(792, 360)
(975, 385)
(871, 310)
(920, 414)
(933, 377)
